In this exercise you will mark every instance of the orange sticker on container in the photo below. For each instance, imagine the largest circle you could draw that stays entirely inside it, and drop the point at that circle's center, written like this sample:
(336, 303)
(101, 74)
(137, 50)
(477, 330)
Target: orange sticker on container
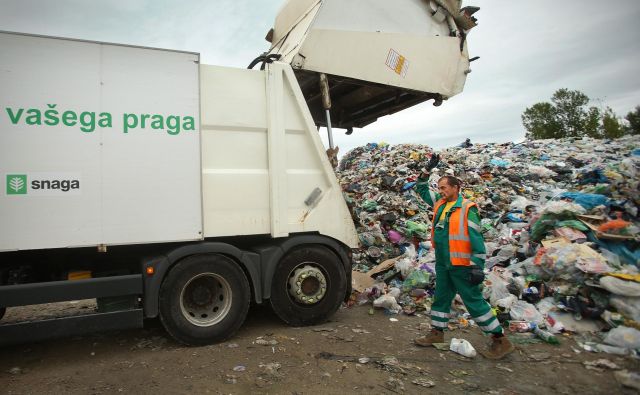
(398, 63)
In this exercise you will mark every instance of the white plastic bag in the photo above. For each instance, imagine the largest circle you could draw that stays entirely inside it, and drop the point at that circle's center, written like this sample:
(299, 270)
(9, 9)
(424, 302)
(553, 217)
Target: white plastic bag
(507, 302)
(629, 307)
(523, 311)
(405, 266)
(519, 203)
(462, 347)
(387, 302)
(623, 336)
(620, 287)
(541, 171)
(546, 305)
(395, 292)
(497, 287)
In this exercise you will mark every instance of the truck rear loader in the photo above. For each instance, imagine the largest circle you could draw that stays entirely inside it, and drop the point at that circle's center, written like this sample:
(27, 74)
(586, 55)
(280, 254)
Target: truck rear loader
(163, 187)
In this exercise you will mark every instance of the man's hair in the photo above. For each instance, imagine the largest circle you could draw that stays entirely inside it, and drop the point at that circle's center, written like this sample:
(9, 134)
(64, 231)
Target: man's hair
(452, 181)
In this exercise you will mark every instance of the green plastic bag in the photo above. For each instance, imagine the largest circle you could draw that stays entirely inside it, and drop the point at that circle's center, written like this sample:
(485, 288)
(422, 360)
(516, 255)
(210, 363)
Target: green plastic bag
(416, 229)
(572, 223)
(417, 279)
(370, 205)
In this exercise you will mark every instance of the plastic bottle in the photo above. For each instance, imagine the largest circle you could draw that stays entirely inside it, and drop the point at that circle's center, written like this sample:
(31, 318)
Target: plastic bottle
(546, 336)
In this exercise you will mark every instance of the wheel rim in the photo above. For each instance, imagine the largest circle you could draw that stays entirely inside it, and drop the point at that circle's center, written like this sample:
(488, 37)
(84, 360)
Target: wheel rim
(307, 284)
(205, 299)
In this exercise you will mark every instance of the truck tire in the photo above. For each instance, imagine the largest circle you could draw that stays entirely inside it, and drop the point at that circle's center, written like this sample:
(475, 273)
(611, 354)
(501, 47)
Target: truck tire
(308, 286)
(2, 311)
(204, 299)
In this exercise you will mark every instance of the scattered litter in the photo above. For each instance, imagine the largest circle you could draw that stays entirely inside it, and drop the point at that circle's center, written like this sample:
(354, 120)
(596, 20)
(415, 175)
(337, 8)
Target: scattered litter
(15, 370)
(325, 329)
(600, 364)
(441, 346)
(424, 383)
(395, 384)
(628, 379)
(459, 373)
(263, 342)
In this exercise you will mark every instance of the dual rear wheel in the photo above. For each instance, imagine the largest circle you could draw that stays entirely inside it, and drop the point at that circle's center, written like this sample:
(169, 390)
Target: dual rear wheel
(205, 298)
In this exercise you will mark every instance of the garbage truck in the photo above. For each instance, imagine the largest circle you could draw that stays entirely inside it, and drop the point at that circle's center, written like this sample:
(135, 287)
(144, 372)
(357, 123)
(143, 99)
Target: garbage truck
(158, 186)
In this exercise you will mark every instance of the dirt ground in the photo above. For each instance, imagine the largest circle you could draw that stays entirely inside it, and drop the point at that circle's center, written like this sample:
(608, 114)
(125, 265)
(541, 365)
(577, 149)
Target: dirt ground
(355, 352)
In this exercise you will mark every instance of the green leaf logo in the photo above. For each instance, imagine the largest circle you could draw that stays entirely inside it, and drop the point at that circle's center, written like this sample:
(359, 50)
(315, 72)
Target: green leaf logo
(16, 184)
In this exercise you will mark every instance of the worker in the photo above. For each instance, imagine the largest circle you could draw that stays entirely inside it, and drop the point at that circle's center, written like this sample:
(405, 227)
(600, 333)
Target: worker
(460, 256)
(466, 144)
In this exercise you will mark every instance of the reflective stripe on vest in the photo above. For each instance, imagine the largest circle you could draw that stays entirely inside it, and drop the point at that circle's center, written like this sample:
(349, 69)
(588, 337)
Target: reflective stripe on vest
(459, 241)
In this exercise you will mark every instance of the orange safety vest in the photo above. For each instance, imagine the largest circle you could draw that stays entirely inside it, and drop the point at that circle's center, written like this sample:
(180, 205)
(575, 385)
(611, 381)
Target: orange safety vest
(459, 241)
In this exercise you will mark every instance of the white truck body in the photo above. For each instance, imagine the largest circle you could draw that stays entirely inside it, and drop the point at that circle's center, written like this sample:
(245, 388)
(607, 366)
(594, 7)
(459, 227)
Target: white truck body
(105, 144)
(161, 187)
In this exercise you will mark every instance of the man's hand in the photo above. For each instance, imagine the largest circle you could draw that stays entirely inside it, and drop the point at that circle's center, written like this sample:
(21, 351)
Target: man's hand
(433, 162)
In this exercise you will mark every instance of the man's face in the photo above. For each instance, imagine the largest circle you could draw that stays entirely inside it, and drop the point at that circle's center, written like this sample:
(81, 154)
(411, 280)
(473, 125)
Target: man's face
(448, 192)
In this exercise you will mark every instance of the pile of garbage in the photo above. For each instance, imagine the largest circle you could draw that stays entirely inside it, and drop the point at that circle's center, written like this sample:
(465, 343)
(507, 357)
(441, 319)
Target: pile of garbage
(560, 222)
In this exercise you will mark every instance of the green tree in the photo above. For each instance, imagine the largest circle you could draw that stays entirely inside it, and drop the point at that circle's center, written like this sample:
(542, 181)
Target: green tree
(633, 117)
(541, 121)
(611, 127)
(568, 115)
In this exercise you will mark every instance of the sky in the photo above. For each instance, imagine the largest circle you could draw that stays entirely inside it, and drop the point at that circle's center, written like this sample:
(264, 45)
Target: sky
(528, 49)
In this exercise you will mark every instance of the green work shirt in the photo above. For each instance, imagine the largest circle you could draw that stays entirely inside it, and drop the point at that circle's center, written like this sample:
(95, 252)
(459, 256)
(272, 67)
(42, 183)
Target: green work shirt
(441, 232)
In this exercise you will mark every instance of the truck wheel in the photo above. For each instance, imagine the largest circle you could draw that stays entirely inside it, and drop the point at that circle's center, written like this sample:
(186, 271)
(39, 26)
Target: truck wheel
(204, 299)
(2, 311)
(308, 286)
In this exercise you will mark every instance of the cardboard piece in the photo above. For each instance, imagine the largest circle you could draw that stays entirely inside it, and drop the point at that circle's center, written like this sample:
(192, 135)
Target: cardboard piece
(555, 243)
(361, 281)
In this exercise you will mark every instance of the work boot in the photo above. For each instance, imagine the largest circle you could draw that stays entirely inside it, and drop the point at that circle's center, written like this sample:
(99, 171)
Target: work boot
(435, 336)
(499, 348)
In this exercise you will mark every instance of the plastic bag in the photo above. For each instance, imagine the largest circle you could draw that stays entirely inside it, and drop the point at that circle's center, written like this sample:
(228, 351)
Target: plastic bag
(496, 287)
(629, 307)
(523, 311)
(620, 287)
(405, 266)
(507, 302)
(628, 379)
(462, 347)
(541, 171)
(499, 162)
(561, 208)
(416, 279)
(387, 302)
(370, 205)
(394, 236)
(586, 200)
(520, 203)
(573, 223)
(546, 305)
(416, 229)
(623, 336)
(395, 292)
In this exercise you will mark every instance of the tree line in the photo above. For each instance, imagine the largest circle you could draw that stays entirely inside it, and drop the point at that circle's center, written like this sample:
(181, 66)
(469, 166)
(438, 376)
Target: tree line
(570, 115)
